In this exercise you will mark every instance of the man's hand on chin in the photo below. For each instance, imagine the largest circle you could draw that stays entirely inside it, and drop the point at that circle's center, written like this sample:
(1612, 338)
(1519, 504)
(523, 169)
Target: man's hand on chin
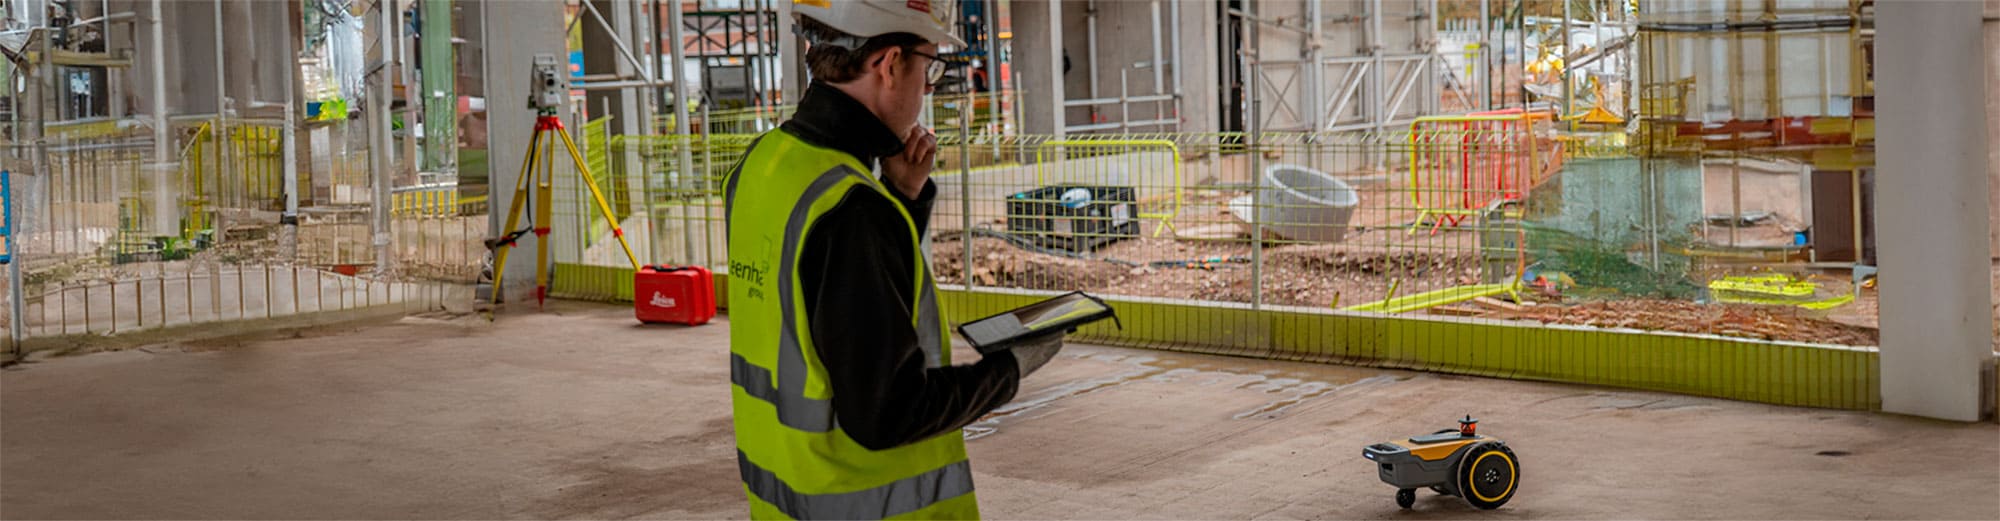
(907, 172)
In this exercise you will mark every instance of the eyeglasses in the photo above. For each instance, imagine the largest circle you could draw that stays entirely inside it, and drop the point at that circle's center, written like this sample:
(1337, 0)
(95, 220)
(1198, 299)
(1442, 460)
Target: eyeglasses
(935, 72)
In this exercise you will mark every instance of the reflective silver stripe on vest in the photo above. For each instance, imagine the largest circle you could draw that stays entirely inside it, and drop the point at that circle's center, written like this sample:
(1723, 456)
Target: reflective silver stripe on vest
(928, 327)
(756, 381)
(897, 498)
(795, 410)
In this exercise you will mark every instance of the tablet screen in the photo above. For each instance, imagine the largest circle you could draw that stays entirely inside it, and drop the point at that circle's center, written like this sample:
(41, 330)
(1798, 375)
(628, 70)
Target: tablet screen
(1056, 314)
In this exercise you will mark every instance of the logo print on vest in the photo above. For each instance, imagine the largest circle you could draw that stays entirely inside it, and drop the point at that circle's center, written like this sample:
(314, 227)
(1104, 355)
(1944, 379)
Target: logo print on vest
(753, 272)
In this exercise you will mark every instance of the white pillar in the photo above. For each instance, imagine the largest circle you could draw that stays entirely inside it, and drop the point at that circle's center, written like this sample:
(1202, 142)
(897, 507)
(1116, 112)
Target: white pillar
(1485, 78)
(792, 84)
(166, 210)
(1937, 327)
(1197, 66)
(382, 144)
(1055, 93)
(1031, 65)
(517, 31)
(1378, 82)
(1312, 73)
(1993, 117)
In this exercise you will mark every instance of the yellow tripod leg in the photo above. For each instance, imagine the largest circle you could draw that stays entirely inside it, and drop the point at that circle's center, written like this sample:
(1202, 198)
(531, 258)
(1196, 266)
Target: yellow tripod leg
(544, 197)
(602, 207)
(513, 217)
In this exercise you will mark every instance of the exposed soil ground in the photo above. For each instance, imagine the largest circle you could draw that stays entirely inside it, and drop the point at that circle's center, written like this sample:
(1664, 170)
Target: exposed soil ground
(1312, 275)
(1379, 256)
(1738, 320)
(1295, 275)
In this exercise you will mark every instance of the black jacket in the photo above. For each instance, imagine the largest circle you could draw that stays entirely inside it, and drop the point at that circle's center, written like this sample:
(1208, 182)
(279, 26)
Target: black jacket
(855, 272)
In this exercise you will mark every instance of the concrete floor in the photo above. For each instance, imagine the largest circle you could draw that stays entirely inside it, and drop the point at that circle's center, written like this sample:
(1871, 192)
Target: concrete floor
(580, 413)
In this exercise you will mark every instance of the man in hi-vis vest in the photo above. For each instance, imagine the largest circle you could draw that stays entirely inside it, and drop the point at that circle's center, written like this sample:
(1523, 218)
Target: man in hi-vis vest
(847, 405)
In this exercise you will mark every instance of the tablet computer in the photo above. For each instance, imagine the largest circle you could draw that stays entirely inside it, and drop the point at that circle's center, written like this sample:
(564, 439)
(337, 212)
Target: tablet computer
(1056, 315)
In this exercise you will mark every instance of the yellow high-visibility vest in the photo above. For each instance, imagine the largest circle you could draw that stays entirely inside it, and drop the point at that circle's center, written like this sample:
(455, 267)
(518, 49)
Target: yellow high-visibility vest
(795, 460)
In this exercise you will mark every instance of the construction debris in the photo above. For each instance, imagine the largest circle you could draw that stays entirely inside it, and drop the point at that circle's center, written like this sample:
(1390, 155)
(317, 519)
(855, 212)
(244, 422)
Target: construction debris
(1313, 275)
(1782, 323)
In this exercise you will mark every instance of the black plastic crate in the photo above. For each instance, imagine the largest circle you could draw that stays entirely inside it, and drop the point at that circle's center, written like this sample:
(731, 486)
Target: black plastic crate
(1061, 216)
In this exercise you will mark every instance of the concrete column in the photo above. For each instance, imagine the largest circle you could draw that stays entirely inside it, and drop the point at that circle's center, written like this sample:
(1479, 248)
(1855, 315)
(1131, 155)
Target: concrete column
(1031, 65)
(240, 52)
(1037, 60)
(291, 21)
(790, 49)
(471, 57)
(1932, 220)
(1201, 108)
(190, 56)
(521, 30)
(1378, 84)
(279, 51)
(387, 22)
(164, 165)
(1056, 94)
(1312, 75)
(1993, 118)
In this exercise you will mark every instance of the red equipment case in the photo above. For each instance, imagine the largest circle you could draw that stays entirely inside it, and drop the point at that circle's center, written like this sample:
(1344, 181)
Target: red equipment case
(674, 294)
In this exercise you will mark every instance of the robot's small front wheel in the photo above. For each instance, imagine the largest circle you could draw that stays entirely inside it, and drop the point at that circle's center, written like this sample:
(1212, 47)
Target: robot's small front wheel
(1406, 497)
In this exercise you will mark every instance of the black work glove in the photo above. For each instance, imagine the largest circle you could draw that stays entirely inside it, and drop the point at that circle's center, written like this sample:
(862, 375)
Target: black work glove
(1030, 354)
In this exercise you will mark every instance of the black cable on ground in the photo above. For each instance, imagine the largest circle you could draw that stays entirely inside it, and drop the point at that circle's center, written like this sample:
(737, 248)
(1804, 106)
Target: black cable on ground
(1208, 263)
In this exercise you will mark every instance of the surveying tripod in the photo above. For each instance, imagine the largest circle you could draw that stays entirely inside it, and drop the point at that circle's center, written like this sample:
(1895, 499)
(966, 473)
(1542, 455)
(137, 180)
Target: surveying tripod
(541, 151)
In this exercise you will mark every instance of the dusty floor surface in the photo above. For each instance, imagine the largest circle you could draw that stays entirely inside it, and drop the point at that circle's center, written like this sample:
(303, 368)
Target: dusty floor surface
(580, 413)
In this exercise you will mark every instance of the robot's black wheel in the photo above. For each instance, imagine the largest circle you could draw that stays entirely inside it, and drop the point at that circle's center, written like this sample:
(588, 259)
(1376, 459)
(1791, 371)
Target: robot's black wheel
(1406, 497)
(1487, 476)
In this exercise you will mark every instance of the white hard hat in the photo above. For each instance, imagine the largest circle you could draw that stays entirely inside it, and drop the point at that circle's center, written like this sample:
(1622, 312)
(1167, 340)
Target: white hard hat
(930, 19)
